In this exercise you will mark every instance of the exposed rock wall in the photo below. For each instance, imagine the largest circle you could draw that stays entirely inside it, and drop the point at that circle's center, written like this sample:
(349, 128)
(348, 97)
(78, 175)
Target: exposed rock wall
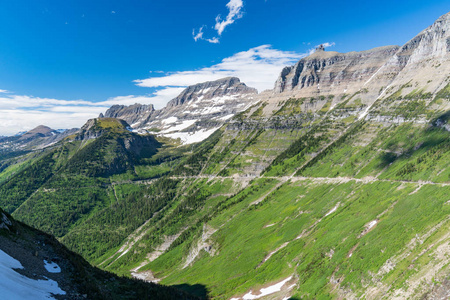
(131, 114)
(333, 72)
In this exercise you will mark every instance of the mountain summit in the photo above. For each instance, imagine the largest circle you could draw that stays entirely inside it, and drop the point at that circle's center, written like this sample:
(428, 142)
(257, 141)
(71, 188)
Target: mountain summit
(228, 86)
(192, 116)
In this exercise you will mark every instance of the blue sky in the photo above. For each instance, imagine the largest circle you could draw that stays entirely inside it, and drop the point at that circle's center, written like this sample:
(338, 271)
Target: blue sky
(62, 62)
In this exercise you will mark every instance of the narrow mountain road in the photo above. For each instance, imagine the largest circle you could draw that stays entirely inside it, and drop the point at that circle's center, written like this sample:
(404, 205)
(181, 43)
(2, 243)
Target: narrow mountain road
(316, 179)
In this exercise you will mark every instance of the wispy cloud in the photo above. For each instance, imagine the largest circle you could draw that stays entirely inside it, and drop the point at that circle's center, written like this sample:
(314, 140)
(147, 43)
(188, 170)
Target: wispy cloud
(199, 35)
(22, 113)
(4, 91)
(258, 67)
(234, 12)
(234, 7)
(159, 98)
(325, 45)
(214, 40)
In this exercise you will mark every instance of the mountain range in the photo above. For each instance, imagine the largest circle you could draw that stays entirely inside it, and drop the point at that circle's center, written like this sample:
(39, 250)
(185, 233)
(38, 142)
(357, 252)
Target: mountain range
(334, 184)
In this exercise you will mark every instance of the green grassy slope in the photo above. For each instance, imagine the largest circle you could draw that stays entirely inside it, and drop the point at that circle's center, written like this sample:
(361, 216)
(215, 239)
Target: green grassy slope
(347, 207)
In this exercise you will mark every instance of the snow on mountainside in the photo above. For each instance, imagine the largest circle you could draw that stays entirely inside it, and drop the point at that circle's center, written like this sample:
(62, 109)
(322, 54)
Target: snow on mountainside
(192, 116)
(14, 285)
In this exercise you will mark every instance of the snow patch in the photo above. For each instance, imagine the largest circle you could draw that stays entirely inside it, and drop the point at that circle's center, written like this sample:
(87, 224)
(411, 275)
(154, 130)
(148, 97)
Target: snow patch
(206, 90)
(52, 267)
(275, 251)
(211, 110)
(267, 291)
(192, 137)
(169, 120)
(332, 210)
(179, 127)
(227, 117)
(270, 225)
(16, 286)
(368, 227)
(371, 224)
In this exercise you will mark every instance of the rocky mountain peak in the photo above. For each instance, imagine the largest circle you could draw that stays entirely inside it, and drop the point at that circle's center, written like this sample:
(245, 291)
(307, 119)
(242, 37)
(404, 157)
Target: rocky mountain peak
(323, 71)
(41, 129)
(196, 113)
(131, 114)
(207, 90)
(94, 128)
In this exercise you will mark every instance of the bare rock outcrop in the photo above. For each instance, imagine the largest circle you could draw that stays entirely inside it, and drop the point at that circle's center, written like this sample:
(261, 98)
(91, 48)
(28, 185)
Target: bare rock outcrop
(333, 72)
(131, 114)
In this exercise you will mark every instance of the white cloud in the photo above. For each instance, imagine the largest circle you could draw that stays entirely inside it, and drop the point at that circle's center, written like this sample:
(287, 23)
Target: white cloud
(22, 113)
(159, 99)
(17, 120)
(234, 7)
(214, 40)
(199, 35)
(257, 67)
(234, 13)
(325, 45)
(4, 91)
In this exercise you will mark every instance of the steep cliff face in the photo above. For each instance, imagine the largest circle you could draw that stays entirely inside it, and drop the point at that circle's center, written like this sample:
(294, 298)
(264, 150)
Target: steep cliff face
(422, 62)
(131, 114)
(418, 69)
(333, 72)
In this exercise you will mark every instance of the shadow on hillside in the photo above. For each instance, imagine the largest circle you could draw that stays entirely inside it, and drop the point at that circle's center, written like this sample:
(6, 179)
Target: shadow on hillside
(437, 123)
(198, 290)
